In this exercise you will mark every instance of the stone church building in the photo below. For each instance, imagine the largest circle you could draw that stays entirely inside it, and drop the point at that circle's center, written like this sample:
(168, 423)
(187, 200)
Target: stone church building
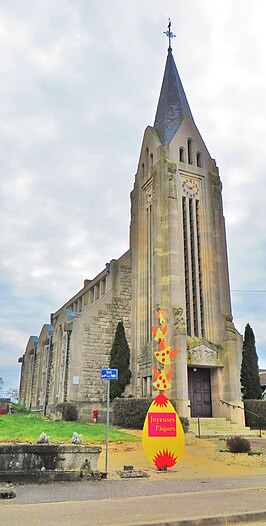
(177, 259)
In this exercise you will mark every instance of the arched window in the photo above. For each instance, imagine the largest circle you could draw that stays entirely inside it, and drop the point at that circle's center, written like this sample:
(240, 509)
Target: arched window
(151, 156)
(181, 155)
(199, 160)
(143, 169)
(190, 151)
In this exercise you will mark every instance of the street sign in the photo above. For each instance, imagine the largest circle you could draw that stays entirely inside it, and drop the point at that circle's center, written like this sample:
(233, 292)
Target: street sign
(109, 374)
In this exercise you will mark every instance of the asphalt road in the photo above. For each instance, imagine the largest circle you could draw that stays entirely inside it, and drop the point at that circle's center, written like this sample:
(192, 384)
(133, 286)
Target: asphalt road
(135, 502)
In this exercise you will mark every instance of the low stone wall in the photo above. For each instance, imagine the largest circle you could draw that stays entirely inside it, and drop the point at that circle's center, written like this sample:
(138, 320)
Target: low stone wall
(45, 462)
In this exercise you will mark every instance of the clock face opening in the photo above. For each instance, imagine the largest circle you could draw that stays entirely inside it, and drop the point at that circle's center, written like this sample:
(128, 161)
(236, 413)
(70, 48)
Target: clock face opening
(190, 188)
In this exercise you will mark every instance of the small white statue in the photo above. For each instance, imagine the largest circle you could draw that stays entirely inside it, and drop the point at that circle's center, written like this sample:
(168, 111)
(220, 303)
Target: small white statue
(76, 439)
(43, 439)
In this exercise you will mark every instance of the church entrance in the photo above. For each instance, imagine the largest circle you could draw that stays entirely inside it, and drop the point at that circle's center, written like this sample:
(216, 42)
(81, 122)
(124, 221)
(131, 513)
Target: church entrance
(199, 392)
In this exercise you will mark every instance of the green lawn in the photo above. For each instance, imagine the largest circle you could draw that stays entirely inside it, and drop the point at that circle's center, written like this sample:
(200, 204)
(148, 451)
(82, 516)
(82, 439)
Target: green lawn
(28, 427)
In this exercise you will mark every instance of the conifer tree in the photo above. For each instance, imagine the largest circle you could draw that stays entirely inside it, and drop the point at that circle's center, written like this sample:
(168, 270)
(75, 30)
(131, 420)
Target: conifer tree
(120, 359)
(249, 376)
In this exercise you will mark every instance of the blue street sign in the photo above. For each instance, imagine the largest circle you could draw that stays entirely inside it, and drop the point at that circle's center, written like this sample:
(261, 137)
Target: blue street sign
(109, 374)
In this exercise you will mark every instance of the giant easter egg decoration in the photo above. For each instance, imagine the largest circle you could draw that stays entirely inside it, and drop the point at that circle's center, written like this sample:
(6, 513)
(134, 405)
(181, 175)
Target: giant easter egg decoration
(163, 437)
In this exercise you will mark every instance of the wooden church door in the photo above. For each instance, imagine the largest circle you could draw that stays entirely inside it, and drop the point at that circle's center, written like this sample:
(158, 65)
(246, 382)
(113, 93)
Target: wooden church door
(199, 392)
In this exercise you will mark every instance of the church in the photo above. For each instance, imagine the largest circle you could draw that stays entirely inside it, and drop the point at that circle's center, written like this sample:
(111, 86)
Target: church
(177, 260)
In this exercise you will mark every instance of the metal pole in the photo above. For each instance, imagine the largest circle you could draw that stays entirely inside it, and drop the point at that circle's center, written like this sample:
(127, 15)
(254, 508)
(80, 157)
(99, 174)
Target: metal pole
(107, 425)
(198, 426)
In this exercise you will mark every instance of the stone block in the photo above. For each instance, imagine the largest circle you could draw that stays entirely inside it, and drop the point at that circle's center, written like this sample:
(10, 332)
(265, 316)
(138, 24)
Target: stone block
(45, 462)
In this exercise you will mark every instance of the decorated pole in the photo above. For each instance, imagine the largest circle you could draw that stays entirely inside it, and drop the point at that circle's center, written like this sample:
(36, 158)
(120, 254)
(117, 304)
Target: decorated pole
(163, 437)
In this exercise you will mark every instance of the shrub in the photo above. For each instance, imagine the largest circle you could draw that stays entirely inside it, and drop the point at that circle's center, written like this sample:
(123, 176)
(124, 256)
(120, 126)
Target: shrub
(19, 408)
(249, 375)
(238, 445)
(68, 410)
(120, 359)
(130, 413)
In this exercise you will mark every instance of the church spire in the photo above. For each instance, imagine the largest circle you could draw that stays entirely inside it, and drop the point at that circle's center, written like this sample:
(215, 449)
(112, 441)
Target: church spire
(173, 105)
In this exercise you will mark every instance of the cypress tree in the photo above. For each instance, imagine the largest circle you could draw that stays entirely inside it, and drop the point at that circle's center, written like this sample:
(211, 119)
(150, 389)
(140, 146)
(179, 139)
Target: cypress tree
(249, 376)
(120, 359)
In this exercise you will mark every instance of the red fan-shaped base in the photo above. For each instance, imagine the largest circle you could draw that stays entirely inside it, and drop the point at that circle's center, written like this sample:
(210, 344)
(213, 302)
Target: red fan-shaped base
(164, 459)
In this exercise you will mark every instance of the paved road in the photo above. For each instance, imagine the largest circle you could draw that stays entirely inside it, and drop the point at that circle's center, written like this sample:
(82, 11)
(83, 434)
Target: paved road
(134, 502)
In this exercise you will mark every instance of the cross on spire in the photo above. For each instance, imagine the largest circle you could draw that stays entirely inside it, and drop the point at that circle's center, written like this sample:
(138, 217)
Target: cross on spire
(169, 34)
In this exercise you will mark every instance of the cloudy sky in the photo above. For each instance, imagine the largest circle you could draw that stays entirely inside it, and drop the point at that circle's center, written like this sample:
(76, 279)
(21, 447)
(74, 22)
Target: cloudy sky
(80, 81)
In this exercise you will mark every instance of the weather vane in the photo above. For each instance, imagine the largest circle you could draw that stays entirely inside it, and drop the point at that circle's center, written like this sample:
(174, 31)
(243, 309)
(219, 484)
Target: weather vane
(169, 34)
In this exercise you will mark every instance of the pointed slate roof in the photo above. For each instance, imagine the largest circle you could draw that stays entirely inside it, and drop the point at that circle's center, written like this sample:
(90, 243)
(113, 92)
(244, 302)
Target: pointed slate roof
(173, 105)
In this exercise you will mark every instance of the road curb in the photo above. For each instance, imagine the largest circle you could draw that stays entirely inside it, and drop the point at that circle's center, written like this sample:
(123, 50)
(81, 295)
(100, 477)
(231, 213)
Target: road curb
(221, 520)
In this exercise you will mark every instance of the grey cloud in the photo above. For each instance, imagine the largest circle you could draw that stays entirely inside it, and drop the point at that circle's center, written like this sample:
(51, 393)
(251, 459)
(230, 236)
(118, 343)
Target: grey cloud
(79, 83)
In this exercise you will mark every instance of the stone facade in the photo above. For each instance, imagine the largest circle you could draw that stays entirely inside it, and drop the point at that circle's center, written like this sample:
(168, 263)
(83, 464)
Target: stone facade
(64, 363)
(177, 260)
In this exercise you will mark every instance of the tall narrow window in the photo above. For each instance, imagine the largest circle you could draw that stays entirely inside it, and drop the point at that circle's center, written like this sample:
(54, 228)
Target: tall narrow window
(147, 158)
(97, 291)
(186, 265)
(147, 387)
(190, 151)
(181, 155)
(151, 156)
(199, 160)
(193, 267)
(147, 265)
(103, 284)
(200, 272)
(144, 387)
(91, 296)
(149, 274)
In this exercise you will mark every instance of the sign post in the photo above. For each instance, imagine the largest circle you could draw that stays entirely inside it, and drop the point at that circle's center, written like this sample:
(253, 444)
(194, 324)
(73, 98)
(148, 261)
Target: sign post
(107, 426)
(108, 374)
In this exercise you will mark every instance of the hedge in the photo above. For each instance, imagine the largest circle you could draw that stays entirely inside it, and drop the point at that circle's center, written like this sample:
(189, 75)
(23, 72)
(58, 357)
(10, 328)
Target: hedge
(259, 408)
(130, 413)
(68, 410)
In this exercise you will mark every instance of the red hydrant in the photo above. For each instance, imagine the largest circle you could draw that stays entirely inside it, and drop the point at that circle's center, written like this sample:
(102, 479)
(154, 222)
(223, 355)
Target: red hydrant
(95, 413)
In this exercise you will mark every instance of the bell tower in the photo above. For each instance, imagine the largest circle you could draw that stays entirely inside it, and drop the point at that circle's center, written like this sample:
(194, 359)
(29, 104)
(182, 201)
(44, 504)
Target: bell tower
(179, 261)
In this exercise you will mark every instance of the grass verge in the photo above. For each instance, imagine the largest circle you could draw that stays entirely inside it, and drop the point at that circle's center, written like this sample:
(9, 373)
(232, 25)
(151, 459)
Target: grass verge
(28, 427)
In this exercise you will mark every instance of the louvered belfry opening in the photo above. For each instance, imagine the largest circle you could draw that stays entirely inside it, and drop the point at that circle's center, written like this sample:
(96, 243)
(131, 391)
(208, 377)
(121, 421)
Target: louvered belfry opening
(192, 265)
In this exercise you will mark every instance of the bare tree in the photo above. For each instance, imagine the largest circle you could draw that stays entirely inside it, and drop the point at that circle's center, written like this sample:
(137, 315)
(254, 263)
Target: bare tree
(13, 394)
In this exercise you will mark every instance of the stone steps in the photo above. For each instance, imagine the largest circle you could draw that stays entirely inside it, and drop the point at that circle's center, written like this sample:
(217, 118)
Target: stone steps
(219, 427)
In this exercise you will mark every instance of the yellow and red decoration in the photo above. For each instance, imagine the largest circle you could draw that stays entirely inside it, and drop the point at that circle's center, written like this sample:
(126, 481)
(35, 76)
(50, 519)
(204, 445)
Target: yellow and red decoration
(163, 437)
(162, 379)
(164, 354)
(159, 333)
